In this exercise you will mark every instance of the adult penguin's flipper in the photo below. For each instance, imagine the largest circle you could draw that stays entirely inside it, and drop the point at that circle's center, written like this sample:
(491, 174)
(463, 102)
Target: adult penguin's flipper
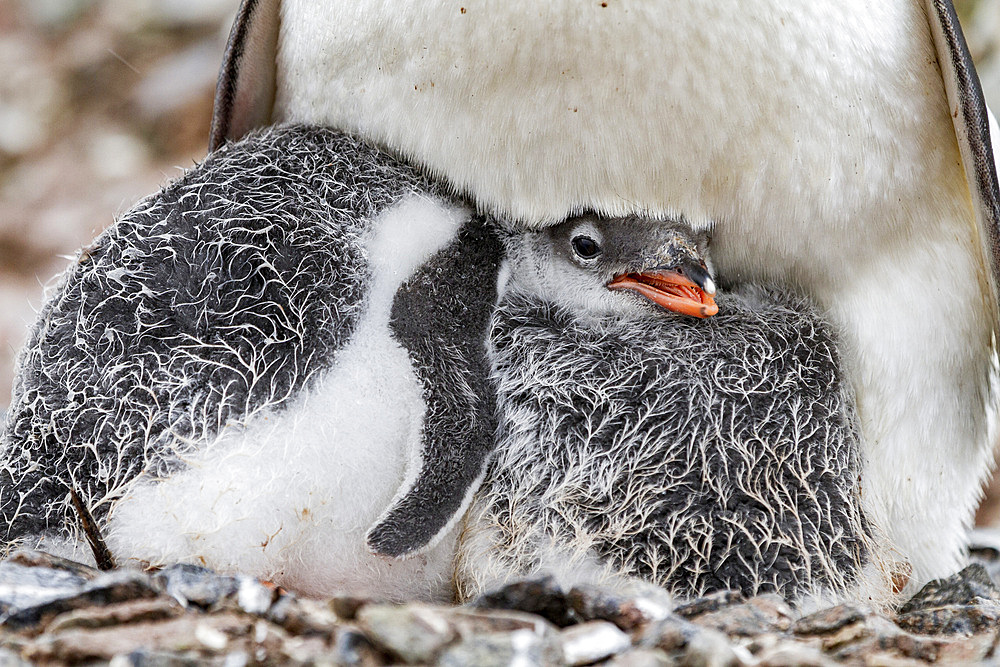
(244, 95)
(442, 317)
(972, 125)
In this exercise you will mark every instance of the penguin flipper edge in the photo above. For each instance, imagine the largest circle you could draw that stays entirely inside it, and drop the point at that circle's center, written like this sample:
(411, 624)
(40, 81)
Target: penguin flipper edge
(244, 94)
(973, 126)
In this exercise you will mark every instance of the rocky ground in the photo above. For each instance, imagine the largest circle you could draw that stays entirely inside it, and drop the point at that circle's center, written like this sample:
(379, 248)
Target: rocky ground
(55, 612)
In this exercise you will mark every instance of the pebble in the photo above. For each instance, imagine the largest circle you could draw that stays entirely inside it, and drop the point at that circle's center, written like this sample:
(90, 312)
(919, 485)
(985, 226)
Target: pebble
(627, 611)
(253, 597)
(195, 585)
(593, 641)
(827, 621)
(413, 634)
(537, 595)
(520, 648)
(971, 585)
(709, 603)
(110, 588)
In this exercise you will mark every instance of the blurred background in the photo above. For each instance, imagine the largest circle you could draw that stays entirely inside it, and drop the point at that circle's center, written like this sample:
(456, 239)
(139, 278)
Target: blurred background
(103, 101)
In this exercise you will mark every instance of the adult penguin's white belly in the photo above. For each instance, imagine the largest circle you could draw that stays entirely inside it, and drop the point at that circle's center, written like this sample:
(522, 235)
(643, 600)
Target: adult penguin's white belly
(816, 136)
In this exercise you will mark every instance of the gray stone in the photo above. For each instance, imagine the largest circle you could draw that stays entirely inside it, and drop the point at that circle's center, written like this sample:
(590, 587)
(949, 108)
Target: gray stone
(11, 659)
(708, 603)
(641, 657)
(792, 654)
(969, 586)
(254, 597)
(195, 585)
(826, 621)
(670, 634)
(520, 647)
(744, 620)
(709, 648)
(148, 658)
(353, 648)
(32, 558)
(23, 586)
(413, 634)
(137, 611)
(627, 611)
(538, 595)
(593, 641)
(966, 619)
(110, 588)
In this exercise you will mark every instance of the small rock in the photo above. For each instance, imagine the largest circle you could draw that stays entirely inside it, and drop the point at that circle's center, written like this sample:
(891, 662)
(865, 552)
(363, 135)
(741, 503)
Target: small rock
(969, 586)
(881, 637)
(55, 13)
(346, 607)
(192, 584)
(253, 597)
(846, 634)
(138, 611)
(110, 588)
(713, 649)
(147, 658)
(670, 634)
(414, 633)
(952, 619)
(177, 636)
(774, 607)
(827, 620)
(745, 620)
(210, 638)
(589, 642)
(114, 155)
(468, 622)
(178, 80)
(300, 617)
(628, 612)
(540, 595)
(520, 647)
(24, 586)
(11, 659)
(642, 657)
(691, 644)
(353, 648)
(709, 603)
(793, 654)
(32, 558)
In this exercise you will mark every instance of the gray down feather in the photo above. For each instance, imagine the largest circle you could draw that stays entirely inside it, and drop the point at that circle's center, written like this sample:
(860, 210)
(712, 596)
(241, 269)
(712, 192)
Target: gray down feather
(219, 297)
(695, 454)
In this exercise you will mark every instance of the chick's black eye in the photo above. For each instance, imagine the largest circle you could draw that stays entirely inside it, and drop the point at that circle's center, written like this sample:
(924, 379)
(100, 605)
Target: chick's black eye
(586, 247)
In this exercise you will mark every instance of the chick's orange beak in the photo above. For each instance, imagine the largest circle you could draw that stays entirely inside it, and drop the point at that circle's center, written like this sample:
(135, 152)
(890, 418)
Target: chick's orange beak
(668, 289)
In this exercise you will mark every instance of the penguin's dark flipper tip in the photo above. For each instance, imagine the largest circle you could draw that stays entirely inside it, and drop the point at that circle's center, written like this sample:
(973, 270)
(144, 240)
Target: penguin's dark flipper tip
(387, 540)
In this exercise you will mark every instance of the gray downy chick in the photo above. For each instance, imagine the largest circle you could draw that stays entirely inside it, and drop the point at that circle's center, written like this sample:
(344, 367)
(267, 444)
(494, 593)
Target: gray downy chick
(639, 443)
(256, 365)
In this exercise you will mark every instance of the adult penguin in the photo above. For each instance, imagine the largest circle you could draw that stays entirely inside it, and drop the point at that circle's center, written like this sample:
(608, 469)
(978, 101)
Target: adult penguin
(842, 147)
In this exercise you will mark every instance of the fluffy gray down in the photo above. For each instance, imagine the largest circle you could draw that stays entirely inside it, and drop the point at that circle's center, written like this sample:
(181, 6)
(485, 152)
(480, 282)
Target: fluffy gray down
(695, 454)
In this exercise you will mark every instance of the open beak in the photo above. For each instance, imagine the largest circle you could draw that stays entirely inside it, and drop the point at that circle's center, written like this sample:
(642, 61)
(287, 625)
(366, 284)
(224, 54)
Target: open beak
(689, 293)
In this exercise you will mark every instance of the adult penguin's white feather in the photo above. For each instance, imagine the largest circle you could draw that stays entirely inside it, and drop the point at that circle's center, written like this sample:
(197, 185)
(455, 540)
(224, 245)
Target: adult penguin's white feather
(820, 136)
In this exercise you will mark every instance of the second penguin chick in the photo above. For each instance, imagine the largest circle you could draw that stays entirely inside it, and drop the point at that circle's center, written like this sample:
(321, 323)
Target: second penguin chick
(635, 443)
(585, 263)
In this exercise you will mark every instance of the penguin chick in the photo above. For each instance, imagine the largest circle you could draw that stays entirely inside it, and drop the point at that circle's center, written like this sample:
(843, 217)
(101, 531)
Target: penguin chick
(694, 454)
(598, 267)
(253, 364)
